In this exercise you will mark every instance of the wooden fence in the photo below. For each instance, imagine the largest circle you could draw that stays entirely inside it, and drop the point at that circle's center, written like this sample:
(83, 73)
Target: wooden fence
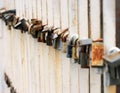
(37, 68)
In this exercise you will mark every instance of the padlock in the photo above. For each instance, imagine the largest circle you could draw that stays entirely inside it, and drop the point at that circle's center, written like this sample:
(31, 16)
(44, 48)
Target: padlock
(83, 57)
(97, 53)
(118, 72)
(69, 51)
(49, 34)
(15, 21)
(13, 11)
(57, 43)
(1, 11)
(5, 12)
(74, 48)
(35, 30)
(84, 52)
(64, 38)
(49, 40)
(40, 34)
(70, 46)
(112, 61)
(55, 36)
(36, 27)
(22, 25)
(45, 33)
(9, 19)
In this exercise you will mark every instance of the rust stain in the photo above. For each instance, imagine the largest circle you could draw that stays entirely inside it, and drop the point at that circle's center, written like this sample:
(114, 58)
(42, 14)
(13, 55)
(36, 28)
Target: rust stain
(97, 54)
(57, 57)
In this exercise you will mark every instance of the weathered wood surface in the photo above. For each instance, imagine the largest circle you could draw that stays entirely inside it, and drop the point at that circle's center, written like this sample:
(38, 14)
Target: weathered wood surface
(36, 68)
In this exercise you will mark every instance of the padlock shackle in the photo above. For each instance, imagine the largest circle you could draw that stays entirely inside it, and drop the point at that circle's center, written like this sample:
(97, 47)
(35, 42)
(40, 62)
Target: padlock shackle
(98, 40)
(13, 11)
(63, 31)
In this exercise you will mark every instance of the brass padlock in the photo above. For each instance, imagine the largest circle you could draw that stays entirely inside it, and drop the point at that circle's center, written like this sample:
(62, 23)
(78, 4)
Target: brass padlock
(74, 49)
(64, 37)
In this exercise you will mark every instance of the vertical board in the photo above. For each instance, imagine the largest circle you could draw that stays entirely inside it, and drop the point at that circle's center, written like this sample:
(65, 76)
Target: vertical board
(44, 11)
(73, 28)
(44, 62)
(83, 33)
(109, 34)
(3, 53)
(58, 70)
(65, 62)
(51, 63)
(95, 79)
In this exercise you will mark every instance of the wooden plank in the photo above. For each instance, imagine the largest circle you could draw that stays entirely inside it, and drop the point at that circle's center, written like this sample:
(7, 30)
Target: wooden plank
(39, 9)
(34, 8)
(42, 70)
(29, 49)
(51, 53)
(44, 78)
(34, 54)
(50, 12)
(29, 63)
(109, 31)
(95, 79)
(52, 70)
(65, 62)
(26, 64)
(73, 28)
(58, 70)
(39, 48)
(73, 12)
(83, 33)
(4, 54)
(83, 18)
(44, 11)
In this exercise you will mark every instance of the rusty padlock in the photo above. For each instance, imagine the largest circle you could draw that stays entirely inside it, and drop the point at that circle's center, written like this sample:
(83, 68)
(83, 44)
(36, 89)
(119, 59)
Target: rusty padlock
(97, 53)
